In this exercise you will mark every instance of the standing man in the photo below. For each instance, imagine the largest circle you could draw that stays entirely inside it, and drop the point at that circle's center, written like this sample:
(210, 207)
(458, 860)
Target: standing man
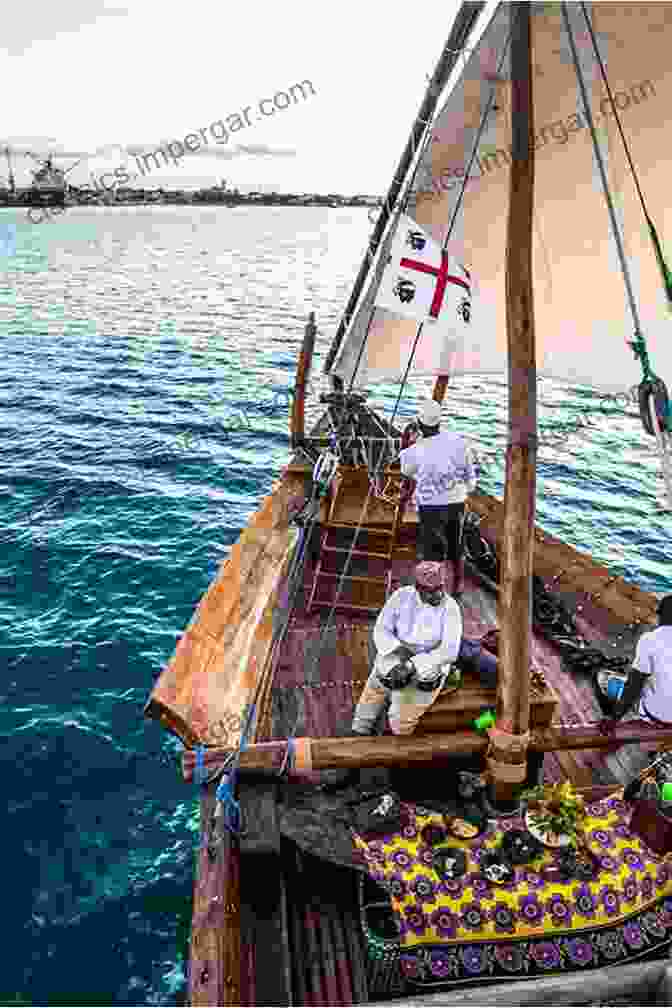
(442, 466)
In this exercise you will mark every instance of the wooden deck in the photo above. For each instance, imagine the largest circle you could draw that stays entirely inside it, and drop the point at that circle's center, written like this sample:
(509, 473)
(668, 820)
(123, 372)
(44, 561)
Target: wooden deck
(326, 672)
(220, 664)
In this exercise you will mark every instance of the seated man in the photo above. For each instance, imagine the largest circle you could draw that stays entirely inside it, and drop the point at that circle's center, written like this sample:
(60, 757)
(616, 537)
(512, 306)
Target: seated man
(418, 637)
(650, 682)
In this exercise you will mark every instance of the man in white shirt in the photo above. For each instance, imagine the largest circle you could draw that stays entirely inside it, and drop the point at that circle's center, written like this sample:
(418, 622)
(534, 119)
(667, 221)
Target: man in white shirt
(651, 680)
(418, 638)
(653, 660)
(442, 466)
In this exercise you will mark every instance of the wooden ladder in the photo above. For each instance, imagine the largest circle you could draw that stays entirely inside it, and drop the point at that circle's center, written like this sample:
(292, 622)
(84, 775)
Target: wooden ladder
(367, 583)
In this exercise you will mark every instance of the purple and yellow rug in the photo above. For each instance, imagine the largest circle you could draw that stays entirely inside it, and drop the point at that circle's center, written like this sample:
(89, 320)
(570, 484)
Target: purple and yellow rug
(470, 929)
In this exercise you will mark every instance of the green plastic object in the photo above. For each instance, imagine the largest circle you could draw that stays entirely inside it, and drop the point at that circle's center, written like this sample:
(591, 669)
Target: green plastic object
(484, 721)
(667, 791)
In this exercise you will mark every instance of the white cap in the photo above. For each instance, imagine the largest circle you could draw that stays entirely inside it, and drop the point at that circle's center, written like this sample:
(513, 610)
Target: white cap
(429, 413)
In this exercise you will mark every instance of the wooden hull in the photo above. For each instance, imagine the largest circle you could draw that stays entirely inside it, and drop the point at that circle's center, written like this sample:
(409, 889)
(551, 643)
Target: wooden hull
(221, 666)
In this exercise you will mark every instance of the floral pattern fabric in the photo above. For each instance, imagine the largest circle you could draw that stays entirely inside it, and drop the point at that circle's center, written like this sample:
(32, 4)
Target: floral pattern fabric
(468, 927)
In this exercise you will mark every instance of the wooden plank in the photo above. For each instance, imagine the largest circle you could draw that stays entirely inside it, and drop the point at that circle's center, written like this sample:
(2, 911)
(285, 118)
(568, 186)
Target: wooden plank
(348, 504)
(577, 774)
(590, 737)
(556, 562)
(297, 420)
(457, 710)
(615, 984)
(219, 659)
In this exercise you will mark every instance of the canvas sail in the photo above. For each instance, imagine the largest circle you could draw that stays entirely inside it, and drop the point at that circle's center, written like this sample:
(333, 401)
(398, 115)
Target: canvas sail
(582, 319)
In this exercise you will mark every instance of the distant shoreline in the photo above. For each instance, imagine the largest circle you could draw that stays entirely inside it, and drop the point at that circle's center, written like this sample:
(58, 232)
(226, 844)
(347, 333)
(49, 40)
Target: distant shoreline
(221, 198)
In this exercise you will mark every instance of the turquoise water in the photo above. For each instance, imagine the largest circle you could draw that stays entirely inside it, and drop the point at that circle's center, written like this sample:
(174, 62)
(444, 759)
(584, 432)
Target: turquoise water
(147, 358)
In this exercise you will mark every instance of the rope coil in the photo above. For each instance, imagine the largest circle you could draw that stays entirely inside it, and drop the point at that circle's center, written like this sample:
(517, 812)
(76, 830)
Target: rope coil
(550, 616)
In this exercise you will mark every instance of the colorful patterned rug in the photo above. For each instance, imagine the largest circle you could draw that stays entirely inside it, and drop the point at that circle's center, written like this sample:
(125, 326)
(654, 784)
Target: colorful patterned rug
(471, 929)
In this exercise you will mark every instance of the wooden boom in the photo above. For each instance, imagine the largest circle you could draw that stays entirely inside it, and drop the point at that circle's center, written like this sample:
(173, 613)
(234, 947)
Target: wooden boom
(398, 750)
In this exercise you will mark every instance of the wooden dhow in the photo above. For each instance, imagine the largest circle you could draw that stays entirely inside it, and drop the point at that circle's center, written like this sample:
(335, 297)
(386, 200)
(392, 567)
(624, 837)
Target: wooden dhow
(264, 680)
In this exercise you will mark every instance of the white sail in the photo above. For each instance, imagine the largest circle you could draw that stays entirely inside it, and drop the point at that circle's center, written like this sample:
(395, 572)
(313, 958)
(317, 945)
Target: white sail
(583, 322)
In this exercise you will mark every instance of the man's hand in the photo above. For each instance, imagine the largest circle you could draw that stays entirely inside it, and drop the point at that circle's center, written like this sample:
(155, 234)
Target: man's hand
(399, 676)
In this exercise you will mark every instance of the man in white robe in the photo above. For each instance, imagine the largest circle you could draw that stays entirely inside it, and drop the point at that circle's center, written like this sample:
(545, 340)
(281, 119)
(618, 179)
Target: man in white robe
(418, 639)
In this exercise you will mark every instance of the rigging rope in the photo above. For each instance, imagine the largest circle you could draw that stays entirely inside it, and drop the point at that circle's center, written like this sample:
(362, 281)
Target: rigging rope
(667, 276)
(603, 176)
(638, 343)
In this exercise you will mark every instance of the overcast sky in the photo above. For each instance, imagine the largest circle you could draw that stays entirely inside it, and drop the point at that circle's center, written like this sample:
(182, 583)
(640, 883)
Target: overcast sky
(87, 73)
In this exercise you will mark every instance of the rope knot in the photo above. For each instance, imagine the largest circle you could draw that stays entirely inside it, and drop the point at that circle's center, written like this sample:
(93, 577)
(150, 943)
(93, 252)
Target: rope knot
(507, 744)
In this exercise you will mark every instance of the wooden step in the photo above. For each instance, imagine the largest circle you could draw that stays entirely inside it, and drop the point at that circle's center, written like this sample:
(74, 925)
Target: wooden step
(325, 604)
(367, 565)
(349, 577)
(369, 594)
(358, 553)
(379, 530)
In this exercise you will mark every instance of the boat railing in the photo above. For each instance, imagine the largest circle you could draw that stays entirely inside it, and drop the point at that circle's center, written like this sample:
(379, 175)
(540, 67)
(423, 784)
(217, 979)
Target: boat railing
(375, 452)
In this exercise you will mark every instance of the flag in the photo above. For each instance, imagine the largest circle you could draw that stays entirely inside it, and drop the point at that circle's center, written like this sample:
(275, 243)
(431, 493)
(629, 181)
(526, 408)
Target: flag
(423, 282)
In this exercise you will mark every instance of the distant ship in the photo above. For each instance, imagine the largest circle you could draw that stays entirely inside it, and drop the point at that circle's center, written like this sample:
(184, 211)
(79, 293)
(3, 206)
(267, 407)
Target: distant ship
(48, 188)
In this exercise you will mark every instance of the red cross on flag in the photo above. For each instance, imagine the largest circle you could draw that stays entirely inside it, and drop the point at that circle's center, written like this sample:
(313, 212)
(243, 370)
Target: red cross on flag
(423, 282)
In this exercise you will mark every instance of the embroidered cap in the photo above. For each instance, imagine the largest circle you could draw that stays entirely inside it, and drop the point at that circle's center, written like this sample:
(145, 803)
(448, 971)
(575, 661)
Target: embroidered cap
(429, 413)
(429, 575)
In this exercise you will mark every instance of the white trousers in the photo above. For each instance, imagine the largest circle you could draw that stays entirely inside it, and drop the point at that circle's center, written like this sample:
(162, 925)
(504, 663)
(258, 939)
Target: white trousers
(406, 705)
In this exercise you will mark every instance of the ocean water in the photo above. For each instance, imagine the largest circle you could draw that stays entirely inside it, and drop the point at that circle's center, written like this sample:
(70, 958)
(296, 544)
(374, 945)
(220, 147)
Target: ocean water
(147, 359)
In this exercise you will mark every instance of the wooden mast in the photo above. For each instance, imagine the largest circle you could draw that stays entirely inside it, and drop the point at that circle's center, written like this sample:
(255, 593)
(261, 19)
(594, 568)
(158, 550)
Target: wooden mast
(298, 422)
(510, 737)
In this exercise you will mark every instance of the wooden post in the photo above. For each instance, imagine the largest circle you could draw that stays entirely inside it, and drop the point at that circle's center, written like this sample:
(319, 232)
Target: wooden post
(440, 386)
(297, 427)
(511, 736)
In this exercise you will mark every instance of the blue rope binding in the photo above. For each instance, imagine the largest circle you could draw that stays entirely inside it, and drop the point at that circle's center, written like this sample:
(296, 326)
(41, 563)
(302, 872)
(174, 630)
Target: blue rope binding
(200, 778)
(226, 789)
(288, 761)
